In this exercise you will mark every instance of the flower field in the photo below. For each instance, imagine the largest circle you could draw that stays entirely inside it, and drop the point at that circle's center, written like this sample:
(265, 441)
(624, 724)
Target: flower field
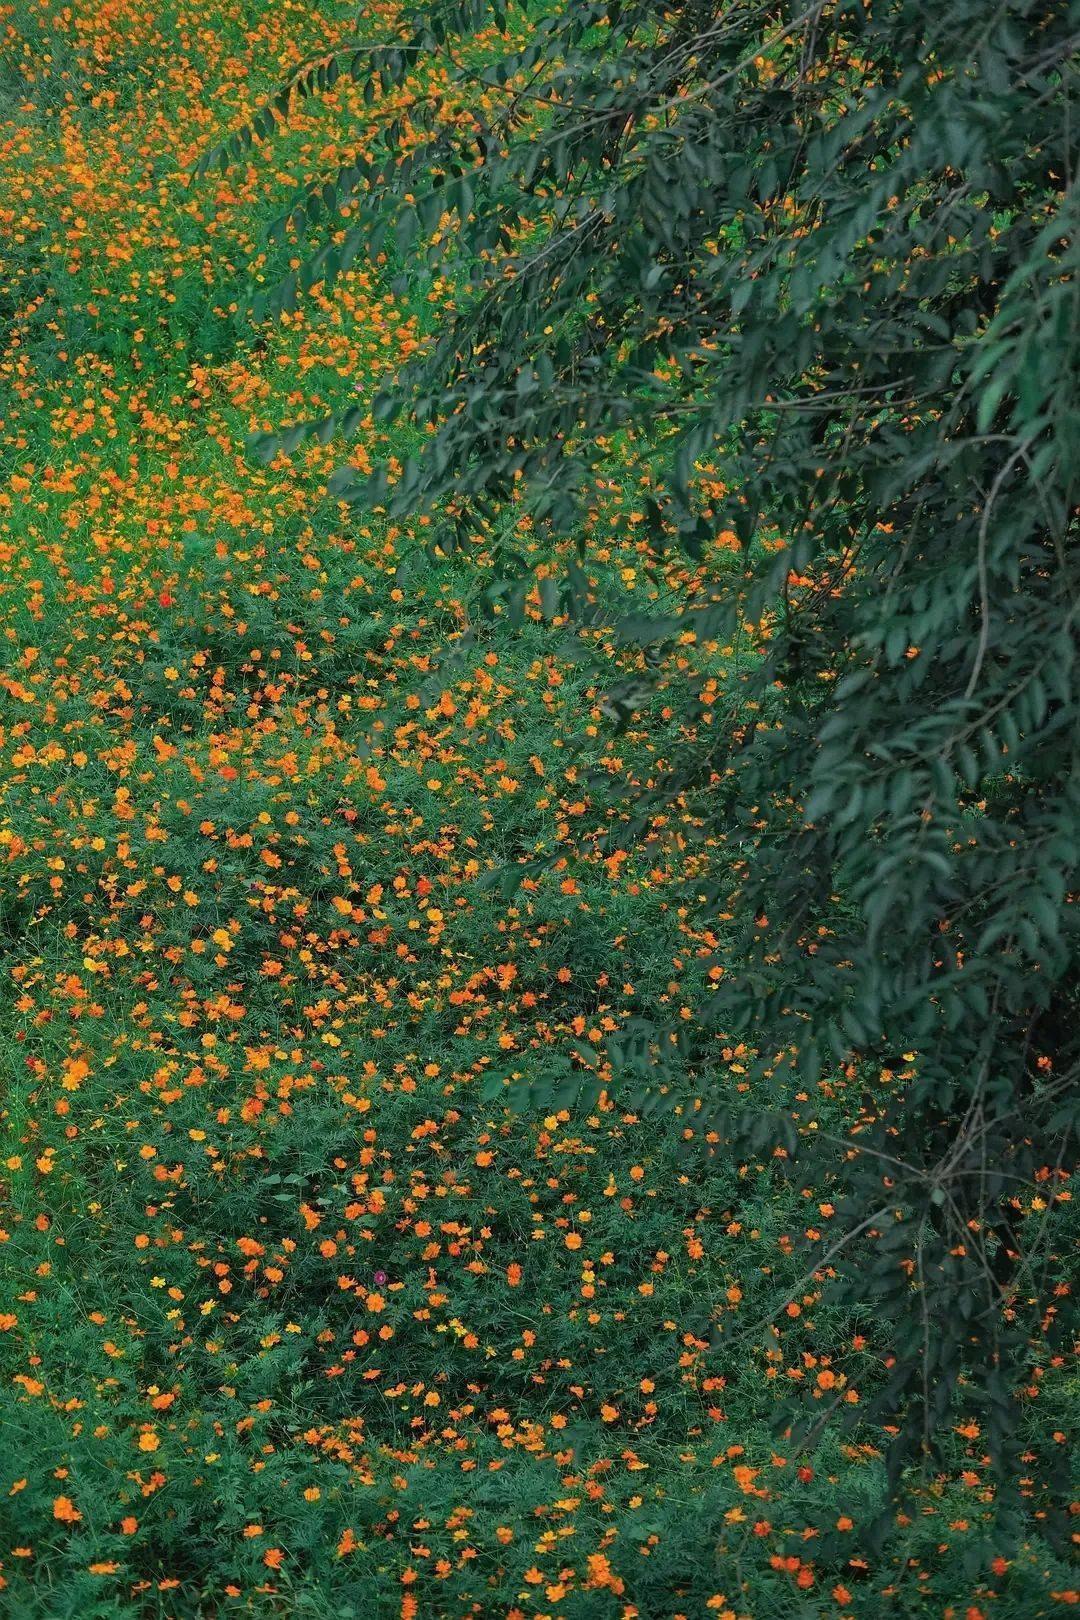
(307, 1311)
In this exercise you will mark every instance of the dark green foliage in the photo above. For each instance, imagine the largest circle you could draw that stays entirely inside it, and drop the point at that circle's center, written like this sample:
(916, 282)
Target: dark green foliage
(830, 249)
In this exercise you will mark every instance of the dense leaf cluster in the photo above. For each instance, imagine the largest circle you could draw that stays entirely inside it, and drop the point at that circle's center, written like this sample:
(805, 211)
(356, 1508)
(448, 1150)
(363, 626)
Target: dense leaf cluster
(829, 249)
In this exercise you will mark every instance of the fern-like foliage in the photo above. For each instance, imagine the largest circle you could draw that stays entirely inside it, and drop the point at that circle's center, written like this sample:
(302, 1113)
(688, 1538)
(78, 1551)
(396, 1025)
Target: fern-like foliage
(831, 249)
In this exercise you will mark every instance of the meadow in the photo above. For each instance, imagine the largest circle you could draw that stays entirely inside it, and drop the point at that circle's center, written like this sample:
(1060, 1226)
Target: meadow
(307, 1310)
